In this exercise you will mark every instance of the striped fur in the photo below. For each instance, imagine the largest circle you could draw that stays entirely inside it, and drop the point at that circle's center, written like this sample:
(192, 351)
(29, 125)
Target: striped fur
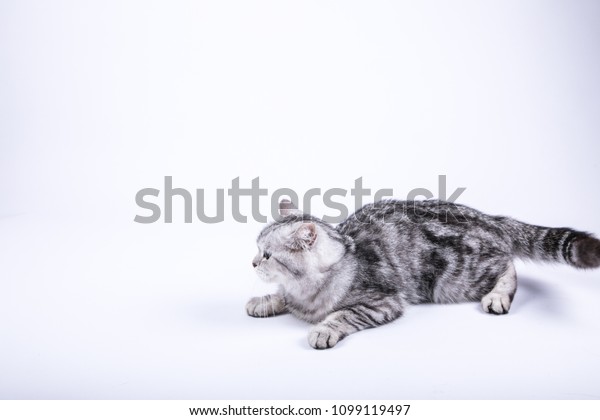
(390, 254)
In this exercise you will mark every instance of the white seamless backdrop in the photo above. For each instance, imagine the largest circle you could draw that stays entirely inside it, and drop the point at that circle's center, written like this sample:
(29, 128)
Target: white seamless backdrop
(101, 99)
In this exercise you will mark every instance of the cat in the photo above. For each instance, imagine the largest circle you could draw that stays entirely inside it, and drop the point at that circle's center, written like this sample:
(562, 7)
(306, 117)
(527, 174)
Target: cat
(389, 254)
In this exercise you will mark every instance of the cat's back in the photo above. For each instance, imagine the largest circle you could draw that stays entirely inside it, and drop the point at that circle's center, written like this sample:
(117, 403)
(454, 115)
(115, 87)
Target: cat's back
(398, 216)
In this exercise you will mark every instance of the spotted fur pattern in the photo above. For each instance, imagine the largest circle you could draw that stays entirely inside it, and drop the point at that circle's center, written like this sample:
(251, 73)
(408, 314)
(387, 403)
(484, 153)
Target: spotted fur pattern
(365, 271)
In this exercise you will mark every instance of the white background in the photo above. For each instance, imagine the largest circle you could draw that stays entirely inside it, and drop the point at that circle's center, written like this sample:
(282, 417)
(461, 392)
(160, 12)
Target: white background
(101, 99)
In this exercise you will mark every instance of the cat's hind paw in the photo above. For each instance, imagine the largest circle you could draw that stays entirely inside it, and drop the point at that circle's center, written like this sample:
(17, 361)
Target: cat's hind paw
(323, 337)
(496, 303)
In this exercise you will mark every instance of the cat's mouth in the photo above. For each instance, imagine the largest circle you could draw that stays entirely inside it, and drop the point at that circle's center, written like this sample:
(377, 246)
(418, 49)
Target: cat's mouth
(267, 277)
(261, 273)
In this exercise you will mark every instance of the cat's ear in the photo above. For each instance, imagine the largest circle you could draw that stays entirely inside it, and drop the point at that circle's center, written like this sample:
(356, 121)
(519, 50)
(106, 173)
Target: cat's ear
(305, 236)
(286, 207)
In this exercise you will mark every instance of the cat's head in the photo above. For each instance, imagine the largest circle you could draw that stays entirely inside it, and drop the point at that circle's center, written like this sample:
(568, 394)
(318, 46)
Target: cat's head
(297, 246)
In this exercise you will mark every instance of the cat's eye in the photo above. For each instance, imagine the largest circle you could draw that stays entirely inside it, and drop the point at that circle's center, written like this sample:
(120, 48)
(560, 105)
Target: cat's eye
(266, 255)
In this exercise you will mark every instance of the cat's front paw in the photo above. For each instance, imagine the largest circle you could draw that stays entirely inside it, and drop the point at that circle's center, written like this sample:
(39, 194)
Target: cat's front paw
(323, 337)
(257, 307)
(262, 307)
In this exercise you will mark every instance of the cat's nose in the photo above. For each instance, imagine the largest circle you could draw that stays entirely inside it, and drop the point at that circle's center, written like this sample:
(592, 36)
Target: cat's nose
(256, 261)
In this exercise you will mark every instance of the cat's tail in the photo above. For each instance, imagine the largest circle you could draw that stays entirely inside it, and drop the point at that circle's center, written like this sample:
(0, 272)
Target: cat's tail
(565, 245)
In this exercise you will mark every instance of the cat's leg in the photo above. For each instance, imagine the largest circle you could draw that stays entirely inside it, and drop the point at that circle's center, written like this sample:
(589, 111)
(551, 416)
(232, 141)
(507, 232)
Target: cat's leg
(499, 299)
(340, 324)
(264, 306)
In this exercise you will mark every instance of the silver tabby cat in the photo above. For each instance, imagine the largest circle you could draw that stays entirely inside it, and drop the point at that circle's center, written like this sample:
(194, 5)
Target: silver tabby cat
(363, 272)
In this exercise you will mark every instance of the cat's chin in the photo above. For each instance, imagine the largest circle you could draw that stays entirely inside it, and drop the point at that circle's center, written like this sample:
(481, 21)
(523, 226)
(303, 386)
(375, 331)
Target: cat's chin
(267, 279)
